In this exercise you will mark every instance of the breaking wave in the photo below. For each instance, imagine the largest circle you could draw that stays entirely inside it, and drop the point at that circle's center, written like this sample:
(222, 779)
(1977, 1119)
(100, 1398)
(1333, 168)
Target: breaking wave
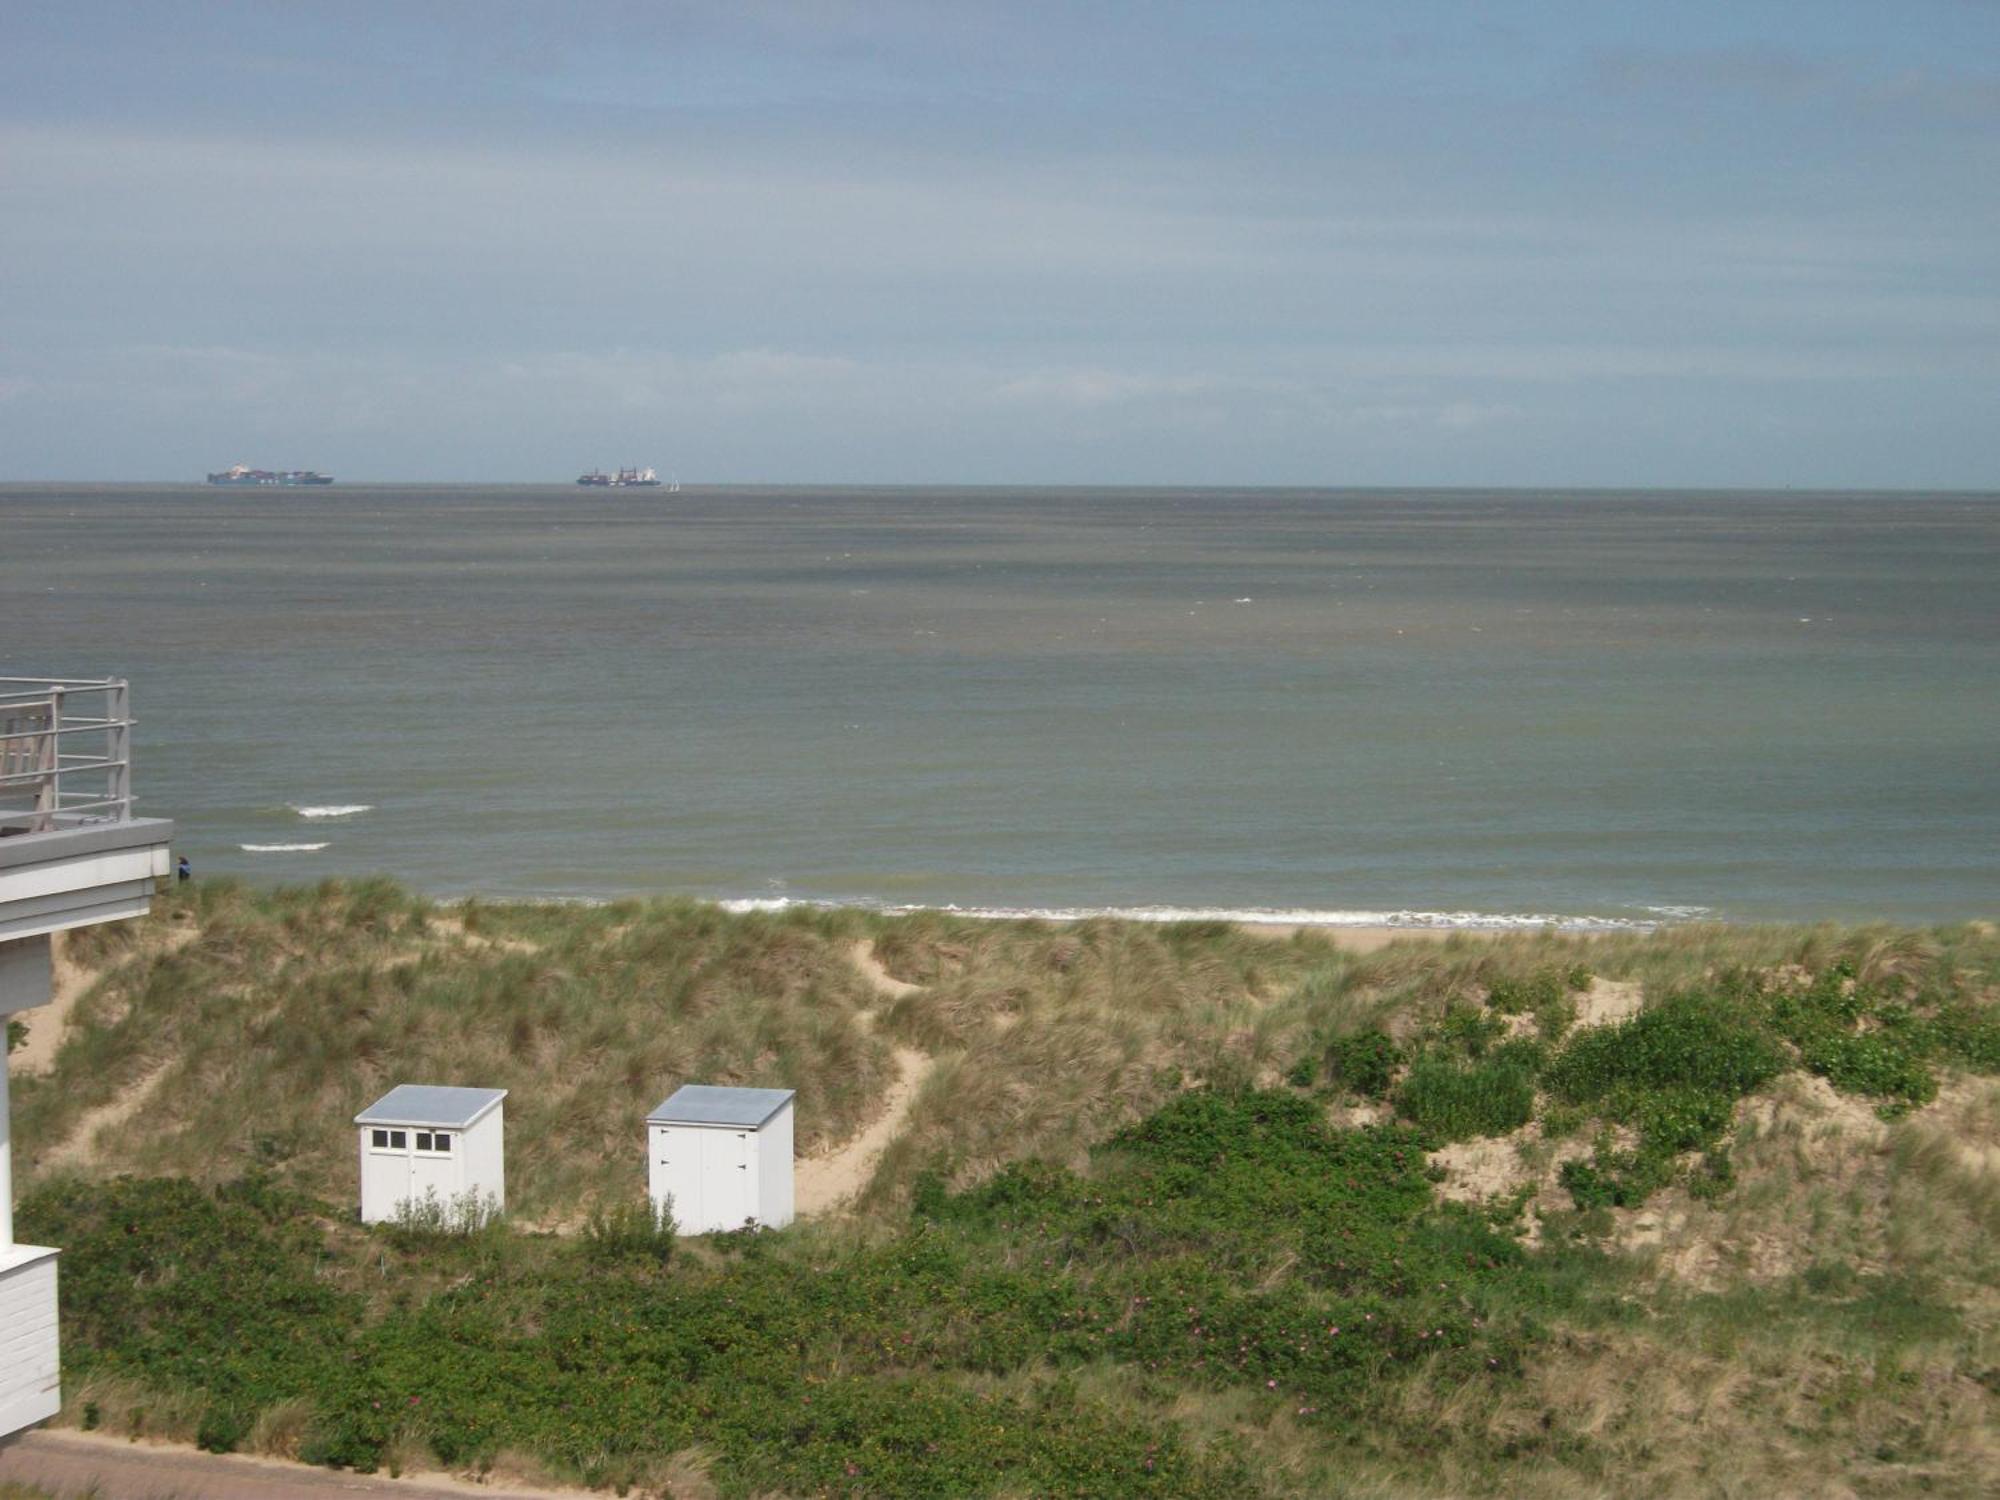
(280, 848)
(1466, 921)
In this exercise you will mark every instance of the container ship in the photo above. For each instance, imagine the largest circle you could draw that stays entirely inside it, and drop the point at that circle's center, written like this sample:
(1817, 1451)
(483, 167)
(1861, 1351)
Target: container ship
(244, 474)
(624, 479)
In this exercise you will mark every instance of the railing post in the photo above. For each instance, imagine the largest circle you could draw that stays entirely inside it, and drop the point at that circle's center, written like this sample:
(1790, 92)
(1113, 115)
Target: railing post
(48, 796)
(117, 708)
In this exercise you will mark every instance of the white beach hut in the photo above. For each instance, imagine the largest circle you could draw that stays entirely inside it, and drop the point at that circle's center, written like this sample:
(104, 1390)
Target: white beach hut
(424, 1142)
(723, 1156)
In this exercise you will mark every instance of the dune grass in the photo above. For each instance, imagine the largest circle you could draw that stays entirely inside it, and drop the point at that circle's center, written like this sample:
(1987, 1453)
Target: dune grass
(1768, 1260)
(256, 1043)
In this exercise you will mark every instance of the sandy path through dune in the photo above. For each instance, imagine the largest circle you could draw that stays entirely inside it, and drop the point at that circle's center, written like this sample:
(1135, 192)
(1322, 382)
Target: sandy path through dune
(822, 1183)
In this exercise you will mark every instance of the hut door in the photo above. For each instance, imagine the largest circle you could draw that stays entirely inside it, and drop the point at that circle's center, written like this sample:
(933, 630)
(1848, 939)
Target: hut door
(677, 1175)
(726, 1176)
(432, 1176)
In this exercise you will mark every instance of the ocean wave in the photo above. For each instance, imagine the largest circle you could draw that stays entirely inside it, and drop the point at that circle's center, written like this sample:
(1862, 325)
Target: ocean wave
(280, 848)
(333, 809)
(1456, 921)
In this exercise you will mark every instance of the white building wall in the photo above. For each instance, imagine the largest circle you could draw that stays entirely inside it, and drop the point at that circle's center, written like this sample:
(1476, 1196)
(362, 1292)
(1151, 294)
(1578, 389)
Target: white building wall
(6, 1155)
(30, 1360)
(27, 974)
(79, 890)
(390, 1177)
(774, 1170)
(673, 1174)
(721, 1176)
(435, 1178)
(385, 1178)
(484, 1159)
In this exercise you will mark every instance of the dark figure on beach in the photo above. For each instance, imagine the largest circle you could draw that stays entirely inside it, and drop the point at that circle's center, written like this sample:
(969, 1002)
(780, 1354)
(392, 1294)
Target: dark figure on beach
(184, 871)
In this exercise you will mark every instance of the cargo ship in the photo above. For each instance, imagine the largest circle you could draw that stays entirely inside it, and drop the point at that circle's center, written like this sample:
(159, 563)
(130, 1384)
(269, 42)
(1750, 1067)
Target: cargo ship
(624, 479)
(244, 474)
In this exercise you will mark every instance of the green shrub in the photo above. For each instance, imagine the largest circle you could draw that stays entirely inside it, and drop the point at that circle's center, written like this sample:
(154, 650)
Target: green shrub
(222, 1429)
(1872, 1062)
(1673, 1073)
(1231, 1240)
(1969, 1035)
(1454, 1100)
(1468, 1030)
(1365, 1062)
(1674, 1119)
(1693, 1042)
(641, 1231)
(1519, 996)
(432, 1217)
(17, 1033)
(1591, 1186)
(1617, 1179)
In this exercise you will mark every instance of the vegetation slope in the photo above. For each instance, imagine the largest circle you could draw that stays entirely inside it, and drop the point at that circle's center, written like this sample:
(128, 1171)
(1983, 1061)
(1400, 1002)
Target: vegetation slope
(1177, 1209)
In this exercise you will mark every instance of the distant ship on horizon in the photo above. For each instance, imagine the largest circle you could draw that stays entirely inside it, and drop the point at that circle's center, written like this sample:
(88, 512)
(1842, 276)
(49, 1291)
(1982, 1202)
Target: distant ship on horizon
(624, 479)
(244, 474)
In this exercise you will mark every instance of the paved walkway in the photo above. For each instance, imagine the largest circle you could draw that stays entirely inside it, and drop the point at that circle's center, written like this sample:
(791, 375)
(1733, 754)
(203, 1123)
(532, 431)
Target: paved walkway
(75, 1465)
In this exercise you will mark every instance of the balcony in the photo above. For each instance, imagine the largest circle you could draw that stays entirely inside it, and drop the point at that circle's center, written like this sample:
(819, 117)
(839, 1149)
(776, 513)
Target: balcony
(71, 851)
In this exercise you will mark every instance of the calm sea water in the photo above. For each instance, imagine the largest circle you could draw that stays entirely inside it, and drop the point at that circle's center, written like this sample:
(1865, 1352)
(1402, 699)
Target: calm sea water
(1613, 706)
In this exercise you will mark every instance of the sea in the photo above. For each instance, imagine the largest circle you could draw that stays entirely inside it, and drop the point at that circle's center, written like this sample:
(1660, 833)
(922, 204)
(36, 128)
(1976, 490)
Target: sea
(1429, 707)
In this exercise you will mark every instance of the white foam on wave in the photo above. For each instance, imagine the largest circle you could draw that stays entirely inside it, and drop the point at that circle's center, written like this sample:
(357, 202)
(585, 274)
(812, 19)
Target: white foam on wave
(280, 848)
(333, 809)
(1466, 921)
(1459, 921)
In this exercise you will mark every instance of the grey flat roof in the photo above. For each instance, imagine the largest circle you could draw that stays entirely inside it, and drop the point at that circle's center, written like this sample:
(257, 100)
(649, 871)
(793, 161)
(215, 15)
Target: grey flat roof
(705, 1104)
(83, 838)
(430, 1104)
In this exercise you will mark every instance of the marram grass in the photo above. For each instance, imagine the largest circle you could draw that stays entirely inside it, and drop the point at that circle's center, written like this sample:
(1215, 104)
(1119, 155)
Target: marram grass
(1110, 1247)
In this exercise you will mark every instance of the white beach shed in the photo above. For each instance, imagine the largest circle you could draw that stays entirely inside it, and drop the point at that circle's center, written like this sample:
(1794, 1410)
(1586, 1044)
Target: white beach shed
(426, 1141)
(723, 1155)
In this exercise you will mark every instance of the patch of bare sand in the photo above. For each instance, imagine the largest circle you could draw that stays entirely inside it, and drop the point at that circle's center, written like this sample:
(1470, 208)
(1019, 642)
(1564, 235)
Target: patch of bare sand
(1804, 1126)
(1964, 1121)
(1352, 1114)
(454, 927)
(47, 1023)
(1501, 1166)
(1608, 1001)
(862, 955)
(823, 1183)
(80, 1149)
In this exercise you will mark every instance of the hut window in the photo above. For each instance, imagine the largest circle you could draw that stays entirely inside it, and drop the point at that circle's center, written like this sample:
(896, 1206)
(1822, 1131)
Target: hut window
(381, 1140)
(433, 1140)
(389, 1140)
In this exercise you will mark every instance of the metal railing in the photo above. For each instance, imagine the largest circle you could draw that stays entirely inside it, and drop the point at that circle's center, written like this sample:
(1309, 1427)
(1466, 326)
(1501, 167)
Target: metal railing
(61, 764)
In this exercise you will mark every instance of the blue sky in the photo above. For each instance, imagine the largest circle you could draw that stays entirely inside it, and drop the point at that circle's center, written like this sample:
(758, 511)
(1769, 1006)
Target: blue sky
(1429, 243)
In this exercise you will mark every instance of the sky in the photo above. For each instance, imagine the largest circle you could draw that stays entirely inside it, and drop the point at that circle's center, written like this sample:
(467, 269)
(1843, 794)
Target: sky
(1741, 244)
